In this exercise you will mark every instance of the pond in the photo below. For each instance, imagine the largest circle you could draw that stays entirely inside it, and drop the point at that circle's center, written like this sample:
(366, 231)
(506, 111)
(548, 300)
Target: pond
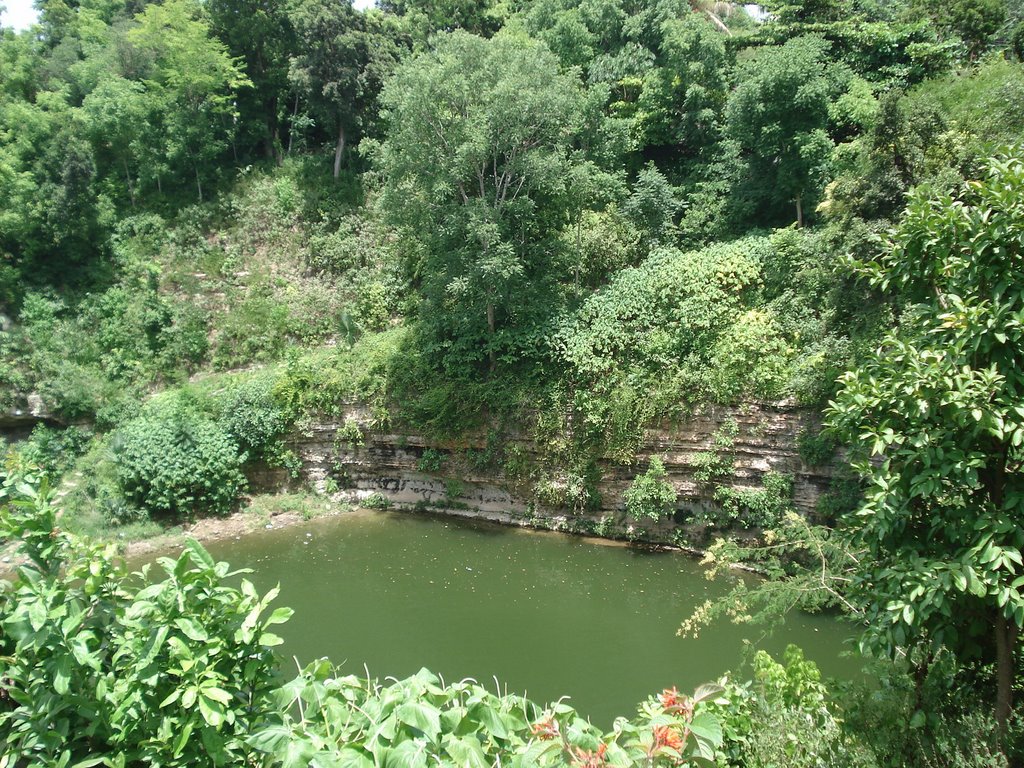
(546, 614)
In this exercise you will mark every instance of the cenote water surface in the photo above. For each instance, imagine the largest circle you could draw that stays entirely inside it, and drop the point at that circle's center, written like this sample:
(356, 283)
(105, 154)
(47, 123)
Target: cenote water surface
(546, 614)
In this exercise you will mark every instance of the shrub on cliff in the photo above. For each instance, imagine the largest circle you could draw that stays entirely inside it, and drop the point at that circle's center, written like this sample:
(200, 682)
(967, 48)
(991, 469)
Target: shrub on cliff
(251, 415)
(174, 461)
(650, 494)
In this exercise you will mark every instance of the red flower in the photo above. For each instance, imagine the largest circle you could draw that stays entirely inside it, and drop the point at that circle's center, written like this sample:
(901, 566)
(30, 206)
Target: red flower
(676, 703)
(587, 759)
(546, 728)
(664, 736)
(670, 697)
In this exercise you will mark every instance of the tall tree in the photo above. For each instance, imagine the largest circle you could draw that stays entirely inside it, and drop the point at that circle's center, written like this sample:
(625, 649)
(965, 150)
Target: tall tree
(683, 100)
(345, 55)
(481, 142)
(480, 17)
(192, 80)
(778, 114)
(940, 410)
(260, 34)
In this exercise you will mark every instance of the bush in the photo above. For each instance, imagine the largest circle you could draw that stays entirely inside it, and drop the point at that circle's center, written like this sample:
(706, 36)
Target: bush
(572, 490)
(432, 461)
(751, 359)
(254, 330)
(650, 494)
(785, 717)
(376, 501)
(817, 448)
(251, 416)
(755, 507)
(173, 461)
(97, 670)
(54, 450)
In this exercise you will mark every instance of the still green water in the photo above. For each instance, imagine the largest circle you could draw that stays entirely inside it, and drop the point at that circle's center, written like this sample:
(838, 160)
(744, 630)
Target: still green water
(547, 614)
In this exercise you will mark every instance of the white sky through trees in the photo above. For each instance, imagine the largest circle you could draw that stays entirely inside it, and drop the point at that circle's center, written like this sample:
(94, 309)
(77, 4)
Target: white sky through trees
(21, 14)
(18, 13)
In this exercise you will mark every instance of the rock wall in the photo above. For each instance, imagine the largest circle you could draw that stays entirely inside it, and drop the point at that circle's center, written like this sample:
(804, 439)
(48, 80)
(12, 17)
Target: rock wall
(344, 455)
(21, 416)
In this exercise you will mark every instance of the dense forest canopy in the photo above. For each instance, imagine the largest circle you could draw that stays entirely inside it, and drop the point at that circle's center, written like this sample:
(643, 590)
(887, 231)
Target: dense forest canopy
(571, 218)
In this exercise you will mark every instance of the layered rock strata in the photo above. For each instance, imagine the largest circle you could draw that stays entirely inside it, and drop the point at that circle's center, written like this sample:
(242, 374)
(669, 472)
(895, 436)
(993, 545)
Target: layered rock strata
(345, 455)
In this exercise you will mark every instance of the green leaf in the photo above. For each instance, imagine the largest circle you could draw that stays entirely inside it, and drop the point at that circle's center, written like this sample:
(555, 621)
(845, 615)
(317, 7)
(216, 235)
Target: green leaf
(62, 675)
(217, 694)
(490, 719)
(211, 712)
(707, 727)
(192, 630)
(36, 615)
(279, 616)
(421, 716)
(343, 758)
(466, 752)
(408, 754)
(182, 741)
(269, 740)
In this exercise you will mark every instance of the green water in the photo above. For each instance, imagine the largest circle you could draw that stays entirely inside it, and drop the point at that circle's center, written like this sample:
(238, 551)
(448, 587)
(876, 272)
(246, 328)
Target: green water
(547, 614)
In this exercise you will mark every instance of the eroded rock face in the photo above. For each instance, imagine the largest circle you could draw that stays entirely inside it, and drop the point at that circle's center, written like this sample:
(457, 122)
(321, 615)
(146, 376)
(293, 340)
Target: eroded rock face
(345, 455)
(27, 411)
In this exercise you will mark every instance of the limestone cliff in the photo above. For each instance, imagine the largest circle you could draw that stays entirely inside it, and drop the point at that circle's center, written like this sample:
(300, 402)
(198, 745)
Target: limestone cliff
(344, 454)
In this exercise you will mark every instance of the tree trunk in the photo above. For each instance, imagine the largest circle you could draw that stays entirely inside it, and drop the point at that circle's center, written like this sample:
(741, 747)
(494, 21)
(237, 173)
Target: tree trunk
(199, 184)
(128, 180)
(291, 124)
(1006, 641)
(490, 331)
(268, 143)
(339, 149)
(799, 213)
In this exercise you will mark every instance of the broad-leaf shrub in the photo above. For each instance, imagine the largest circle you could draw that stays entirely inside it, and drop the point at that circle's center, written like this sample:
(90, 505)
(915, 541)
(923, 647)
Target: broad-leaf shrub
(174, 461)
(672, 305)
(329, 720)
(95, 670)
(251, 415)
(54, 450)
(785, 717)
(754, 507)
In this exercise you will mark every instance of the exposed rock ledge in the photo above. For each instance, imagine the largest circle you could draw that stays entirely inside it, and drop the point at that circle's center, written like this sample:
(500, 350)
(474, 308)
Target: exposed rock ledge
(390, 465)
(25, 412)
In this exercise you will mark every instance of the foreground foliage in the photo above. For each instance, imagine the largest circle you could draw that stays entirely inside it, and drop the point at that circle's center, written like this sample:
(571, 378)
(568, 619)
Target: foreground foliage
(939, 417)
(100, 667)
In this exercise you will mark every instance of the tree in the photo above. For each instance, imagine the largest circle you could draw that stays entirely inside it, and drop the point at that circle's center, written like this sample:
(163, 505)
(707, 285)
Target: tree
(683, 100)
(117, 120)
(259, 33)
(779, 115)
(974, 21)
(345, 57)
(479, 149)
(192, 82)
(480, 17)
(938, 413)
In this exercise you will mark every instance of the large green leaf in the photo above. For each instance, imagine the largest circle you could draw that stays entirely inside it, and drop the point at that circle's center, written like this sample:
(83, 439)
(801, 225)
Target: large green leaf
(421, 716)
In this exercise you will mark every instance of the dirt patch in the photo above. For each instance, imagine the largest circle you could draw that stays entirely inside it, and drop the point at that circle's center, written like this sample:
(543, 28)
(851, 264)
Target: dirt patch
(216, 529)
(204, 531)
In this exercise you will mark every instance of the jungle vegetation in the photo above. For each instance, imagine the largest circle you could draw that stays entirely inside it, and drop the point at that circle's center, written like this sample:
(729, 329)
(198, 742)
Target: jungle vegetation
(576, 217)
